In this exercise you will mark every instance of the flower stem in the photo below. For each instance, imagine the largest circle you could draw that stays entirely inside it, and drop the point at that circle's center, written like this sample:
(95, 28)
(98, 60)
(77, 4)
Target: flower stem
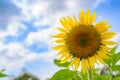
(111, 72)
(90, 74)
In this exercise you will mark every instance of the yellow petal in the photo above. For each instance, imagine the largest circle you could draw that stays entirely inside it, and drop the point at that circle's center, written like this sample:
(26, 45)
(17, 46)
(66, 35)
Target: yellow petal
(102, 27)
(108, 35)
(92, 19)
(77, 63)
(83, 66)
(71, 23)
(103, 55)
(92, 61)
(75, 21)
(109, 42)
(64, 55)
(62, 50)
(100, 59)
(72, 62)
(65, 59)
(59, 53)
(108, 26)
(64, 22)
(100, 24)
(60, 41)
(58, 47)
(102, 30)
(82, 17)
(62, 29)
(87, 63)
(105, 48)
(88, 16)
(60, 35)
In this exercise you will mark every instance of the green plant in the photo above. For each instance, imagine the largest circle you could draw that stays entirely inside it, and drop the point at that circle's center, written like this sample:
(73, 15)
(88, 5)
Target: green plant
(111, 63)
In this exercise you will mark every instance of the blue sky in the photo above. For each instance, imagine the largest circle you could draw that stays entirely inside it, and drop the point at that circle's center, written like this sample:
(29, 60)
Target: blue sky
(26, 27)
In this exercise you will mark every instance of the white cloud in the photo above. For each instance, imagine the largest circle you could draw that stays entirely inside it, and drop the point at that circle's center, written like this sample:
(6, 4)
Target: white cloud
(13, 29)
(15, 55)
(46, 12)
(10, 20)
(12, 54)
(43, 36)
(8, 12)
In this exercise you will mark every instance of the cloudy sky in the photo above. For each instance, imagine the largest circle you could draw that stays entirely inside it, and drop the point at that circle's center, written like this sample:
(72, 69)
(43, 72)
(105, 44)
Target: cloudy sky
(26, 27)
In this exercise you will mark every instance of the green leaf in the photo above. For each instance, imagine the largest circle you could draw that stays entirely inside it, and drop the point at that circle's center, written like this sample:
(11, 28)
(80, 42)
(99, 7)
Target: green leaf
(108, 61)
(57, 62)
(84, 76)
(2, 74)
(116, 58)
(65, 74)
(116, 68)
(116, 78)
(112, 51)
(101, 77)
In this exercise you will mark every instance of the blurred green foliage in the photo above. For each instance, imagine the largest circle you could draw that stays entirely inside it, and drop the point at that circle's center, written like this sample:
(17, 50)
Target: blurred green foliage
(26, 76)
(57, 62)
(2, 74)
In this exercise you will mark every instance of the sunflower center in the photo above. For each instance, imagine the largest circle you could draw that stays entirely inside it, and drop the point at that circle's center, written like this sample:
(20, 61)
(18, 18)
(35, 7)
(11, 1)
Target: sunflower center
(83, 41)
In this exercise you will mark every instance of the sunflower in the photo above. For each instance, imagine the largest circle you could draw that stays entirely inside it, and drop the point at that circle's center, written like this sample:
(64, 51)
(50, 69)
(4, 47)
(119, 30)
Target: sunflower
(82, 42)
